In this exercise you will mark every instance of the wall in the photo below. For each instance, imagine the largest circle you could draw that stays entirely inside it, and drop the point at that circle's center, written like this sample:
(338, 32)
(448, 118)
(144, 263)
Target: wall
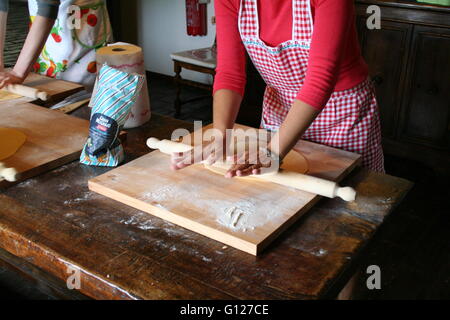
(162, 31)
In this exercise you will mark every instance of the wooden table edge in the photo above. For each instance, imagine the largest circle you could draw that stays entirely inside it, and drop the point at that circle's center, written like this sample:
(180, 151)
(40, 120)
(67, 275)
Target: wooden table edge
(339, 282)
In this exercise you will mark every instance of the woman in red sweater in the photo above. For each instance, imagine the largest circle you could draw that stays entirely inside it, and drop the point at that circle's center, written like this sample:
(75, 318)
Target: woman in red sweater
(318, 89)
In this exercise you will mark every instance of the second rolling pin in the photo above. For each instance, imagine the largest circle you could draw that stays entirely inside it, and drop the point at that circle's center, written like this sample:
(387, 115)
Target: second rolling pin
(28, 92)
(9, 174)
(322, 187)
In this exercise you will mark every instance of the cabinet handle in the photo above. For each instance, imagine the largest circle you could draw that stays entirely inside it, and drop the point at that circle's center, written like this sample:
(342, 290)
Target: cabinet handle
(378, 79)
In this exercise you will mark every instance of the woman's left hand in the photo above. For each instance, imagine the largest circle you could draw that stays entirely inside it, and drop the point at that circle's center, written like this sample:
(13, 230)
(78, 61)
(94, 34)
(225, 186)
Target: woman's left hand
(299, 118)
(9, 77)
(253, 163)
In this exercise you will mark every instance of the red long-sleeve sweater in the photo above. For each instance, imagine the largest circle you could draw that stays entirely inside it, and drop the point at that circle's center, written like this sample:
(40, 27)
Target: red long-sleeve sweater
(335, 61)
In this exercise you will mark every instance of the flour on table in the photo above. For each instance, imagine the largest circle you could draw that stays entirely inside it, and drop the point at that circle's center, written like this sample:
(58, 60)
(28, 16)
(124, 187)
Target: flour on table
(27, 183)
(236, 218)
(85, 196)
(244, 215)
(158, 195)
(134, 221)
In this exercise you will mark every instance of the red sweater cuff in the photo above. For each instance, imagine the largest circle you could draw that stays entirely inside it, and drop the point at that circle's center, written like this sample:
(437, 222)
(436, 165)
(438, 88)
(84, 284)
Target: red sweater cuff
(235, 86)
(313, 98)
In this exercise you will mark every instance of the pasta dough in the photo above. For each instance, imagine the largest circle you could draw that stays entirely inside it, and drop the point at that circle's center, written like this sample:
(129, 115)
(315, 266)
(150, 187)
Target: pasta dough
(5, 95)
(10, 142)
(293, 162)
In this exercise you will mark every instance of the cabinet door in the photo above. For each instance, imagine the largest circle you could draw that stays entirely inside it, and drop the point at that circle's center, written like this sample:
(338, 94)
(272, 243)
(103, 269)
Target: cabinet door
(426, 114)
(386, 52)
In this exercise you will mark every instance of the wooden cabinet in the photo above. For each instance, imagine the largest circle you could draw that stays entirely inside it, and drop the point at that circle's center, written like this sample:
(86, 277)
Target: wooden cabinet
(426, 113)
(387, 68)
(409, 62)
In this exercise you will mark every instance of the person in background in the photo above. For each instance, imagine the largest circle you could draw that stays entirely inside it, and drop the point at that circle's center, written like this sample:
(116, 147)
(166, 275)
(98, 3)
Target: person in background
(56, 46)
(318, 89)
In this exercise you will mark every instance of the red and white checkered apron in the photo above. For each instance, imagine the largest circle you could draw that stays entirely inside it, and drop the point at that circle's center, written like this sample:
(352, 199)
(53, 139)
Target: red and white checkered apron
(350, 119)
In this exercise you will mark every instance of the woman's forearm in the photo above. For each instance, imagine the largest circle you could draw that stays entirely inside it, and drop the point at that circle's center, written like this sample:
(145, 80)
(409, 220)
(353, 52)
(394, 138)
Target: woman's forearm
(298, 120)
(225, 109)
(37, 36)
(3, 18)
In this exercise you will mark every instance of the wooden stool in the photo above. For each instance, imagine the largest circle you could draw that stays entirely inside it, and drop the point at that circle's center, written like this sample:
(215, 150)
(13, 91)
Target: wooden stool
(200, 60)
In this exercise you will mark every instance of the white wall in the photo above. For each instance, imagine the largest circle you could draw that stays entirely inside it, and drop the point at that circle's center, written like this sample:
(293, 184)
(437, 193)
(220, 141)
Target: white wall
(162, 31)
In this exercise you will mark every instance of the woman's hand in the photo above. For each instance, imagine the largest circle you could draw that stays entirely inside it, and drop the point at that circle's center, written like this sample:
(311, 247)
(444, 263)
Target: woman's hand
(210, 152)
(299, 118)
(9, 77)
(36, 38)
(253, 163)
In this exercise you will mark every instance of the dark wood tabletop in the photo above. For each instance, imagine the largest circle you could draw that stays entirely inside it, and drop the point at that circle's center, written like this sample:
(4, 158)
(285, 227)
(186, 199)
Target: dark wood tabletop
(54, 222)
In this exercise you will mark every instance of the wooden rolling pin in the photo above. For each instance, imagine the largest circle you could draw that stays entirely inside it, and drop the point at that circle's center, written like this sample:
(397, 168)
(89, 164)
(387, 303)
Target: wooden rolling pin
(295, 180)
(28, 92)
(9, 174)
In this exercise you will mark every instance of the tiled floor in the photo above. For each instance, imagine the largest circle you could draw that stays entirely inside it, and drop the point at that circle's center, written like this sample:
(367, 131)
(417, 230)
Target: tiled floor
(16, 31)
(162, 96)
(412, 248)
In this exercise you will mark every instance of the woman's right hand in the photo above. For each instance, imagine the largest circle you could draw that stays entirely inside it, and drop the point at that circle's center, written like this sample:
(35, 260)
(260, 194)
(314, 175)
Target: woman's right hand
(225, 109)
(210, 152)
(9, 77)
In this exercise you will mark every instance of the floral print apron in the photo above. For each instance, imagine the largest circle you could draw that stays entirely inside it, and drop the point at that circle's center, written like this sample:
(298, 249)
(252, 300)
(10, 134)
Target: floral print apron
(69, 53)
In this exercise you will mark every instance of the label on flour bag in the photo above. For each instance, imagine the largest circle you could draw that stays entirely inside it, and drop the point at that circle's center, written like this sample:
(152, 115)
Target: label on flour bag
(102, 134)
(111, 104)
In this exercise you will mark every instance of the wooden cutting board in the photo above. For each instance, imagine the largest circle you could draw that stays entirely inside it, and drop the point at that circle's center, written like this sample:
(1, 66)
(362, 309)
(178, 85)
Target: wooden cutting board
(53, 138)
(199, 200)
(57, 89)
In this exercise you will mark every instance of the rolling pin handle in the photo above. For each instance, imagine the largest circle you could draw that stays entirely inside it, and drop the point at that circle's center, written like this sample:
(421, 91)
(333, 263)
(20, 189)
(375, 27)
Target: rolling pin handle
(167, 146)
(347, 193)
(28, 92)
(42, 95)
(153, 143)
(9, 174)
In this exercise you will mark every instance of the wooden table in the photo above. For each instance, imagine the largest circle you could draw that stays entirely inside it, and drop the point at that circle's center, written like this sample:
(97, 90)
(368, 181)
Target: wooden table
(53, 222)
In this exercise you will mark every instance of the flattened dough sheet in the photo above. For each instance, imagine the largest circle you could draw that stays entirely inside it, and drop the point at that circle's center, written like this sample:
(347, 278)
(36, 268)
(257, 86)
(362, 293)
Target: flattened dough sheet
(5, 95)
(294, 161)
(10, 142)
